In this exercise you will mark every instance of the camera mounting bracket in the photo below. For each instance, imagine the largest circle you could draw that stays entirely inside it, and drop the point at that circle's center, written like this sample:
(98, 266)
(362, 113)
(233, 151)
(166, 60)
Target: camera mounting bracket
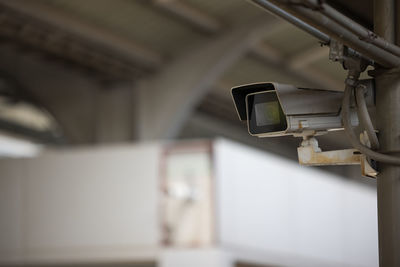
(310, 154)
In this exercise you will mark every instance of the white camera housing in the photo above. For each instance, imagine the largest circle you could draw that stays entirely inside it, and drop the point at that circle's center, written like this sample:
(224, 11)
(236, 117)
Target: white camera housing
(273, 109)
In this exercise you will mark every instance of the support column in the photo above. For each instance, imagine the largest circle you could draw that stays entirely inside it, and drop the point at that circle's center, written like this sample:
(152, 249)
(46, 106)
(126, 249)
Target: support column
(388, 181)
(388, 111)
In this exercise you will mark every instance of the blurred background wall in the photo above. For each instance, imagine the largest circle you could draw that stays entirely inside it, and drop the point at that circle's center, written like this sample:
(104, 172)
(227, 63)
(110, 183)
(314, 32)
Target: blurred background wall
(93, 73)
(189, 203)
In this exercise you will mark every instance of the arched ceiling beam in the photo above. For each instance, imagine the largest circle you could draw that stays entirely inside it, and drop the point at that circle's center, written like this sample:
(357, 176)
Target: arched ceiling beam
(167, 99)
(93, 35)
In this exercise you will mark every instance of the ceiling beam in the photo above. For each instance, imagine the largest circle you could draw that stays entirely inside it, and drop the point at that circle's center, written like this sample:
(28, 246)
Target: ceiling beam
(45, 136)
(29, 35)
(96, 36)
(190, 15)
(167, 99)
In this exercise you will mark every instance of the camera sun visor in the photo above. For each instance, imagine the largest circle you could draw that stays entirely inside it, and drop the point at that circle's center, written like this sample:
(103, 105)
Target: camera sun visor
(239, 94)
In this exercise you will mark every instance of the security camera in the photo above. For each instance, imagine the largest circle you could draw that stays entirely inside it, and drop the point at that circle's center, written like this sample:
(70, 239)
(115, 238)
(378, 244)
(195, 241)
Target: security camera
(273, 109)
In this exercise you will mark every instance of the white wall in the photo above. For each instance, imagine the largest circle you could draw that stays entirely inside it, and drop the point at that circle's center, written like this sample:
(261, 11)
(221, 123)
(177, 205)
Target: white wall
(103, 204)
(81, 205)
(10, 210)
(195, 257)
(273, 210)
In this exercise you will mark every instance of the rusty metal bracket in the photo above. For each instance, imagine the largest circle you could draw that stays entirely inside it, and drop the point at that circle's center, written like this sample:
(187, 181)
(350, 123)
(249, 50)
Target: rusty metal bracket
(309, 154)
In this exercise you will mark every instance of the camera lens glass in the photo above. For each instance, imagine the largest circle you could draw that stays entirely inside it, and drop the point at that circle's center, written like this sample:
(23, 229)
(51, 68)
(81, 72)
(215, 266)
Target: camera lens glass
(265, 114)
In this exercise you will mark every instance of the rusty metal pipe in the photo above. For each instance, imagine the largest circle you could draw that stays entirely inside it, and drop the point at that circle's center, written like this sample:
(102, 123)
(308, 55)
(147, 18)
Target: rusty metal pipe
(293, 20)
(364, 34)
(326, 25)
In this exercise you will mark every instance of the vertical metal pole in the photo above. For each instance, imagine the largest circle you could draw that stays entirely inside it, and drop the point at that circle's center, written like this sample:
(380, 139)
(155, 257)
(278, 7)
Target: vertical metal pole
(384, 19)
(397, 21)
(388, 111)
